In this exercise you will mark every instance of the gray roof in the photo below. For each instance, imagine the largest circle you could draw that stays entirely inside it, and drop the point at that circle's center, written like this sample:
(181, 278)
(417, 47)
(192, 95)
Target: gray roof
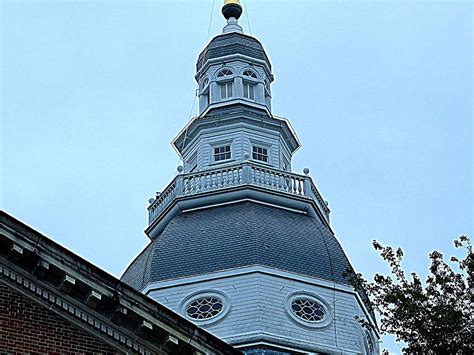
(239, 235)
(232, 43)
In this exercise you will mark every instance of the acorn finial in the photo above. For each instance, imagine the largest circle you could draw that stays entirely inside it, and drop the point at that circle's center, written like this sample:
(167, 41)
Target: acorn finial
(232, 8)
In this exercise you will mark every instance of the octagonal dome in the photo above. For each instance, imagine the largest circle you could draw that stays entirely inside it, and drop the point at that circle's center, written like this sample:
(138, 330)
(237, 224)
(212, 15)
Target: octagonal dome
(236, 236)
(232, 43)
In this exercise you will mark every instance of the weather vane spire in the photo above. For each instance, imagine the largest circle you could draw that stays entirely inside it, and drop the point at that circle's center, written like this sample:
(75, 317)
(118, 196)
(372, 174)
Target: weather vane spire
(232, 8)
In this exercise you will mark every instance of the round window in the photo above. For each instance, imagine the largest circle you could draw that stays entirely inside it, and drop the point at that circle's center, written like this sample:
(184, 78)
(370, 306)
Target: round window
(204, 308)
(308, 310)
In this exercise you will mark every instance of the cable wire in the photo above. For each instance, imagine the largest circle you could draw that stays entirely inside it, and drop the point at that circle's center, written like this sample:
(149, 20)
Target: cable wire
(247, 15)
(210, 20)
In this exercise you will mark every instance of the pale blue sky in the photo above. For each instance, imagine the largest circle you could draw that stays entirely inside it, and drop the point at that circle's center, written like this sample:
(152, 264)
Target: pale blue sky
(380, 93)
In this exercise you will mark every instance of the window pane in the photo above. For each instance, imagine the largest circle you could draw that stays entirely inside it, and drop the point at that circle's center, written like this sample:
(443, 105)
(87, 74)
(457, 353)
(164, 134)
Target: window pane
(222, 153)
(260, 153)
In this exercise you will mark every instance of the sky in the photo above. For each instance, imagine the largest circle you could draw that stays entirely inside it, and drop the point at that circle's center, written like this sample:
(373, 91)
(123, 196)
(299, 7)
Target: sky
(380, 94)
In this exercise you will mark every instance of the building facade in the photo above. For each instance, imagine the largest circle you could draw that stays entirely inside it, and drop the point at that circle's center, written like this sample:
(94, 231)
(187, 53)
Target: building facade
(53, 301)
(240, 245)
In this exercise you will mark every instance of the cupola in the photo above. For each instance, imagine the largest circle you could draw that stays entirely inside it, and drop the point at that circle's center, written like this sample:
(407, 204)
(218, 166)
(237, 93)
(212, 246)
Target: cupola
(233, 67)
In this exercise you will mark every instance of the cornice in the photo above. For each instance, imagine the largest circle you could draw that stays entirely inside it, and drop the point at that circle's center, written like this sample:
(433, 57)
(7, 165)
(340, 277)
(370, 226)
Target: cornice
(233, 114)
(93, 300)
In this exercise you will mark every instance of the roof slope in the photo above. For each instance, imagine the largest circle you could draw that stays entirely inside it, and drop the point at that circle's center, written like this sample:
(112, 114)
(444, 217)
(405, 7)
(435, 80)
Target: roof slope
(239, 235)
(232, 43)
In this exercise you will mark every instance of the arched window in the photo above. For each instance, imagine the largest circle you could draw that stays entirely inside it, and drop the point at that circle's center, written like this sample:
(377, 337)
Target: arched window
(224, 72)
(250, 73)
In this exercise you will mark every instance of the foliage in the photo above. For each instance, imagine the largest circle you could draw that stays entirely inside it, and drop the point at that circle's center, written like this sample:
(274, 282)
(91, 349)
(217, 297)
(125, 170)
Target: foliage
(436, 316)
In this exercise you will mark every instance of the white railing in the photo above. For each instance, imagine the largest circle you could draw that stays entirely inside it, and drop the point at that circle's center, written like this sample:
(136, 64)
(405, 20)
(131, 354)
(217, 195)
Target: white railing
(162, 200)
(212, 179)
(241, 174)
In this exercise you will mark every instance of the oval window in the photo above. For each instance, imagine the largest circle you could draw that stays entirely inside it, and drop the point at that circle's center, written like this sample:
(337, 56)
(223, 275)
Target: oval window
(204, 308)
(308, 310)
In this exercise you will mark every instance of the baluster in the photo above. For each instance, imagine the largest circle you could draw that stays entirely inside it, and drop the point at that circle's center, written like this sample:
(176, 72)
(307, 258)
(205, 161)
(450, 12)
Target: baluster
(300, 187)
(198, 183)
(187, 185)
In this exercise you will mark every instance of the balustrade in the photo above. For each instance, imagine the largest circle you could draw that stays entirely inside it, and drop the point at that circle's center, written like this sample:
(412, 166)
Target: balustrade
(235, 175)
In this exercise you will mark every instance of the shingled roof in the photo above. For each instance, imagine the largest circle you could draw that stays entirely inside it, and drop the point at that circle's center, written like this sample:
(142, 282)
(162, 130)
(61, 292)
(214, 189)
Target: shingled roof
(235, 236)
(232, 43)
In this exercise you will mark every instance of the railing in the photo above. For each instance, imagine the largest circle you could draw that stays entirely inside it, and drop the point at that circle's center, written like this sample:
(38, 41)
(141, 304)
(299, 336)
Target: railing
(241, 174)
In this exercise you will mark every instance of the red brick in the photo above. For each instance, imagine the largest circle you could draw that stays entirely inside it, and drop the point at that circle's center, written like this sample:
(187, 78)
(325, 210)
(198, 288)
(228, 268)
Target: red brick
(29, 327)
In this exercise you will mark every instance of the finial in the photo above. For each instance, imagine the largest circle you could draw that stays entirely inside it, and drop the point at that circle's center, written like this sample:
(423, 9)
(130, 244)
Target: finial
(180, 169)
(306, 171)
(232, 8)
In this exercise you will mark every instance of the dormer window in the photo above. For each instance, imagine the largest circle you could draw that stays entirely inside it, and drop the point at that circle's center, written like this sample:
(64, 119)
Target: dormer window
(224, 72)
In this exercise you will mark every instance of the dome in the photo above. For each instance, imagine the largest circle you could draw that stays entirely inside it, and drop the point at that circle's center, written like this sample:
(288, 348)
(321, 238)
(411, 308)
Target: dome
(232, 43)
(235, 236)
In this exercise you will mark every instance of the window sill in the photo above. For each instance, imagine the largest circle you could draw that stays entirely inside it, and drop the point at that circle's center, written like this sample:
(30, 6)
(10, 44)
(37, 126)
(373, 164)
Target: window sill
(222, 162)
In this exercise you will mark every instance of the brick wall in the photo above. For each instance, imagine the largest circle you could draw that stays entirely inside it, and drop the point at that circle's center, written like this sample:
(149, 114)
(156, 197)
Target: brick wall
(29, 327)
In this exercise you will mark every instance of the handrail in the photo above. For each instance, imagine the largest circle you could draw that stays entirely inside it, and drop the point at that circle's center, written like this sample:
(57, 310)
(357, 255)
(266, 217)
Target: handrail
(247, 173)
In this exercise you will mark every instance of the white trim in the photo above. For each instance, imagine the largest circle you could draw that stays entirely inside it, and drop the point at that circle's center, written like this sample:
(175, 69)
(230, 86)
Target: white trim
(258, 269)
(201, 294)
(234, 57)
(242, 200)
(267, 344)
(255, 269)
(279, 338)
(234, 100)
(323, 323)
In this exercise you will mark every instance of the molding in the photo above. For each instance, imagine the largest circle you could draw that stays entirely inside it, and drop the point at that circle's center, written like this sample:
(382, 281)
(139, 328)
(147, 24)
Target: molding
(244, 200)
(323, 323)
(89, 297)
(263, 270)
(227, 305)
(233, 193)
(69, 311)
(256, 269)
(235, 57)
(243, 340)
(233, 101)
(236, 111)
